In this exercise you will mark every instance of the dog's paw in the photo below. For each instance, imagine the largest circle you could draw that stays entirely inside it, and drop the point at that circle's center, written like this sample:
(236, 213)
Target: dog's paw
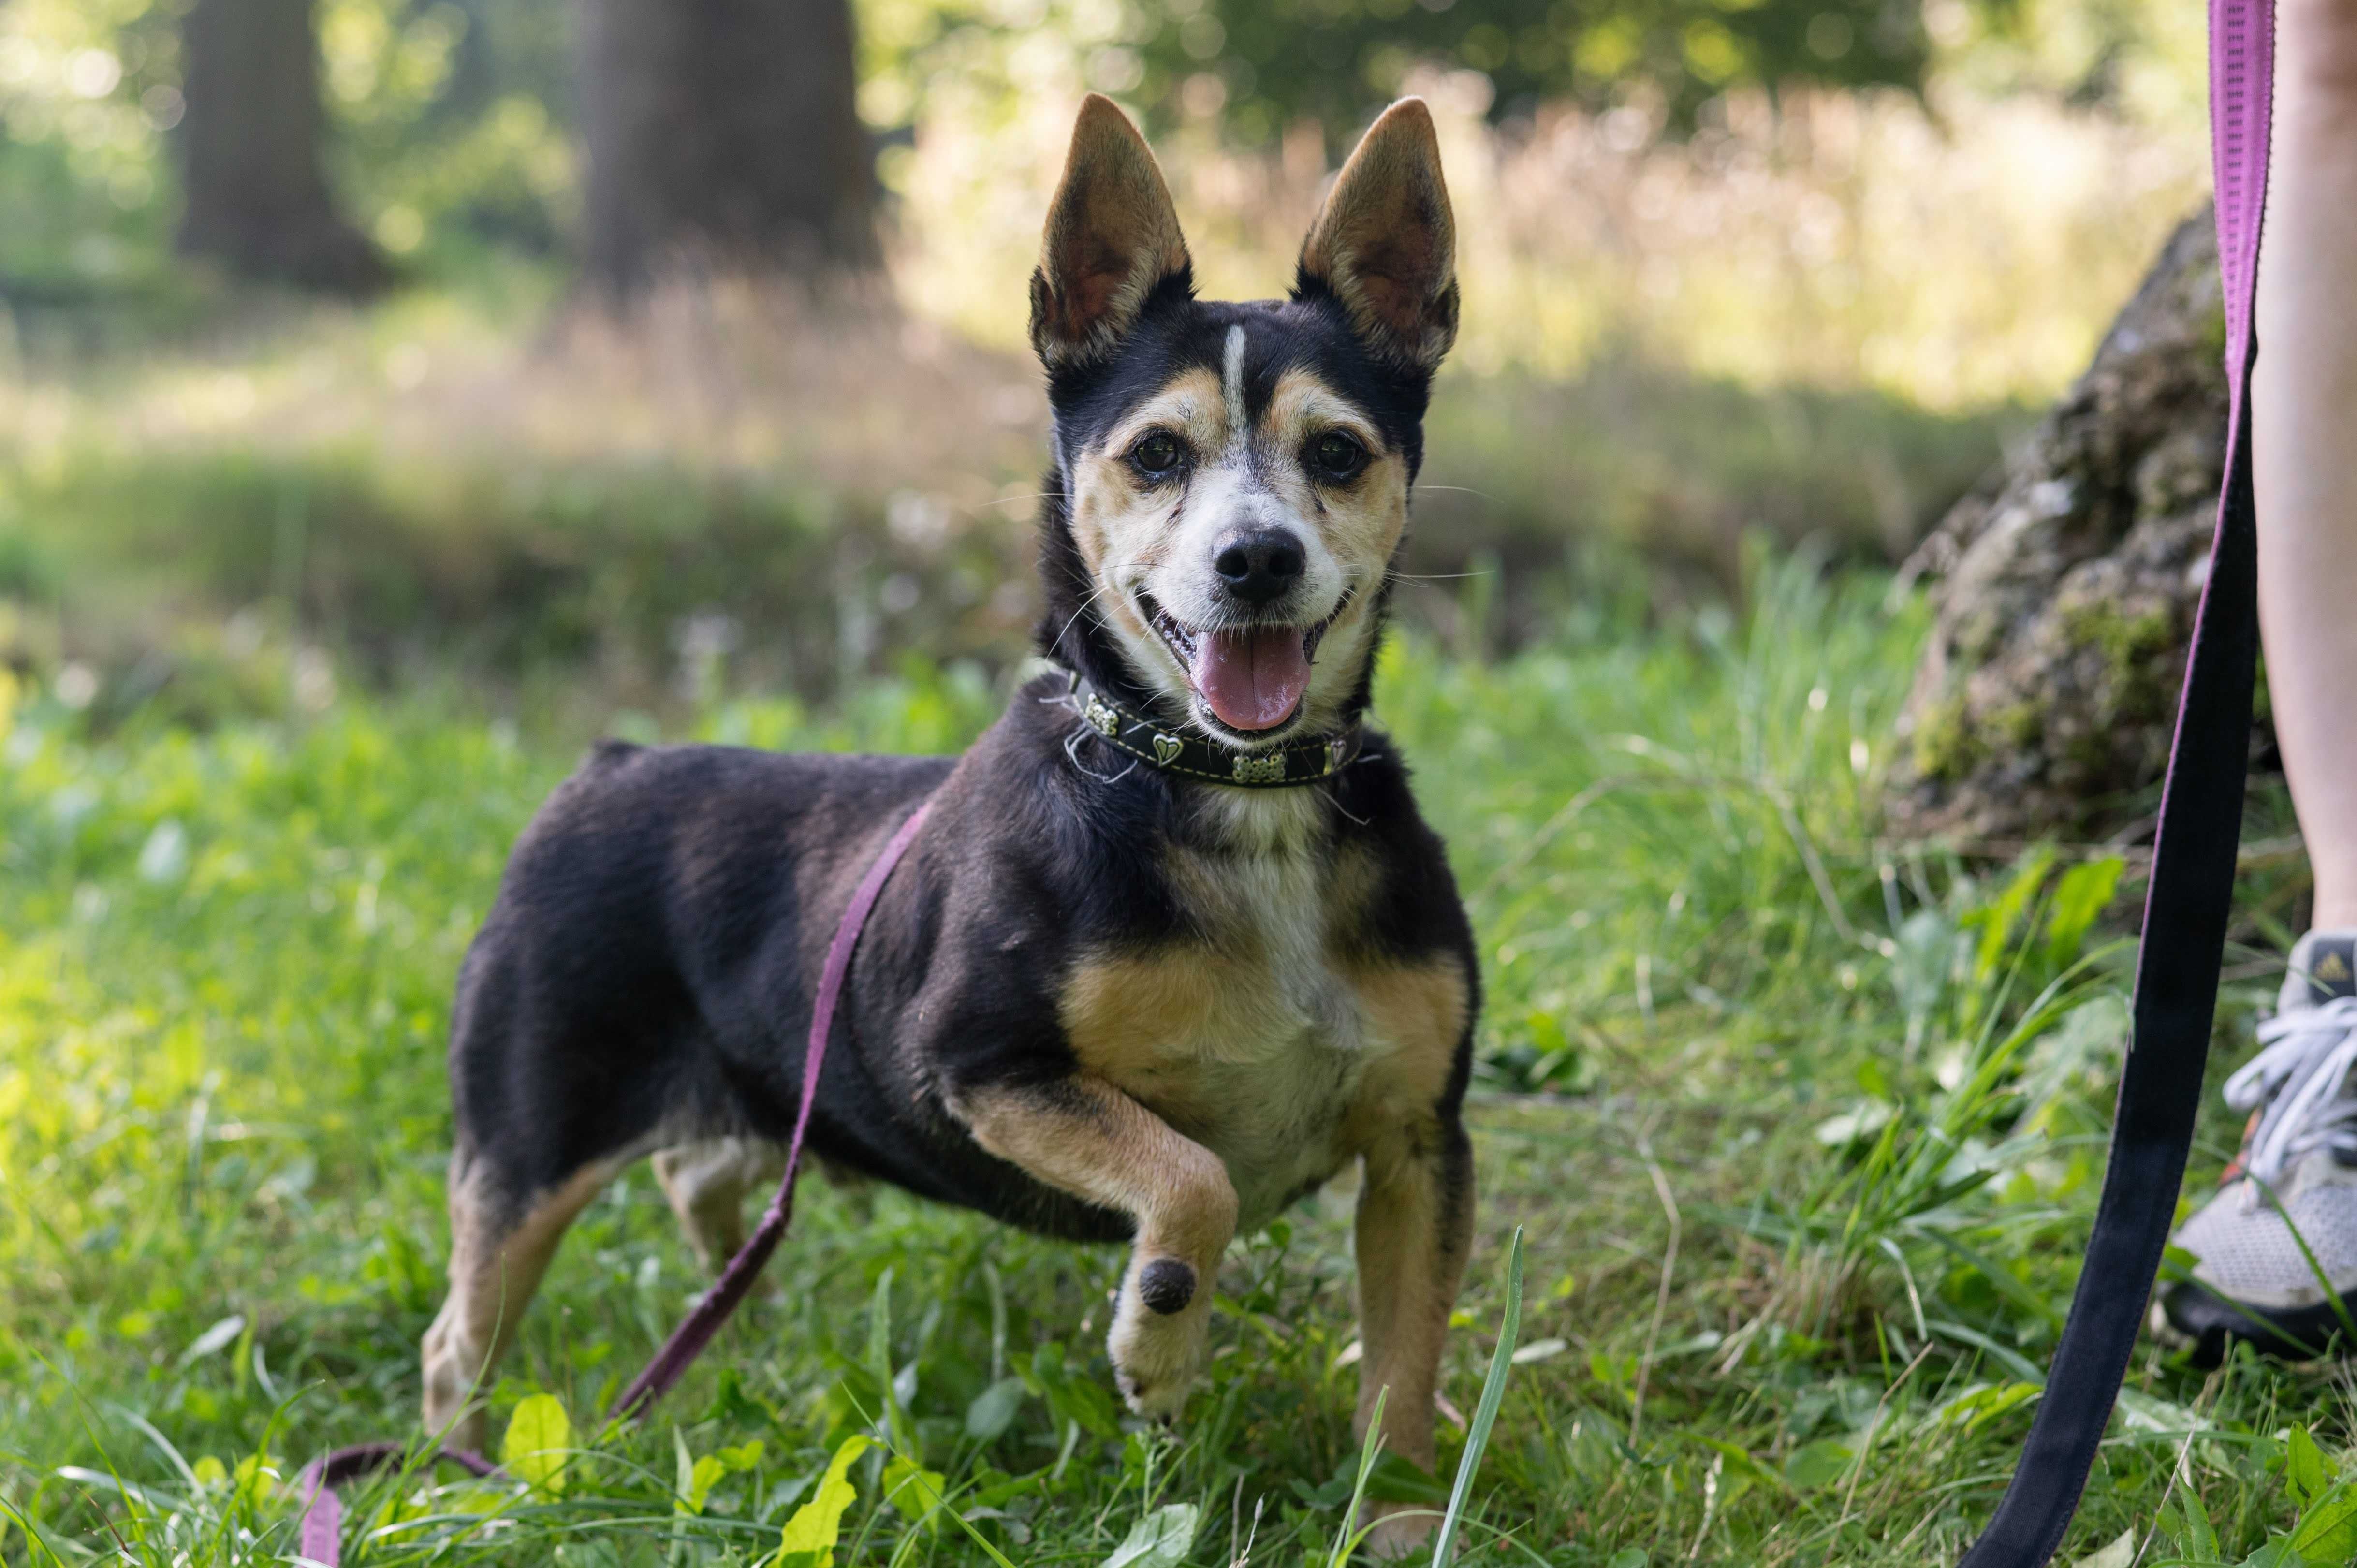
(1158, 1338)
(1156, 1367)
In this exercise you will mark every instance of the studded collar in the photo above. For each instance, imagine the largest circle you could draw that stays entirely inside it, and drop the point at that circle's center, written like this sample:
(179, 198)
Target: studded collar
(1158, 745)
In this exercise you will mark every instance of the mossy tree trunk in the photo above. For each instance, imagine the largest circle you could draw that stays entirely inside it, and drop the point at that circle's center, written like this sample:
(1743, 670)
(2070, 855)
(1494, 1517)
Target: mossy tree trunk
(2064, 586)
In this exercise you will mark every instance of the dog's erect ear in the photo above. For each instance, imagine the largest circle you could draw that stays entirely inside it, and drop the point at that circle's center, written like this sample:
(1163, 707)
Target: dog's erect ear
(1385, 243)
(1111, 236)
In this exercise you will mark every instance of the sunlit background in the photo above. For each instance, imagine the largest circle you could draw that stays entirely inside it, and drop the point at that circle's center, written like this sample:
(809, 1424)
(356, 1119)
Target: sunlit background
(1727, 265)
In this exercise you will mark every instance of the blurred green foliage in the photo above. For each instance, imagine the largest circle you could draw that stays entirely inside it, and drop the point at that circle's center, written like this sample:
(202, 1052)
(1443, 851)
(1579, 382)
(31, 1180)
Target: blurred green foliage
(450, 133)
(452, 120)
(1258, 68)
(1332, 59)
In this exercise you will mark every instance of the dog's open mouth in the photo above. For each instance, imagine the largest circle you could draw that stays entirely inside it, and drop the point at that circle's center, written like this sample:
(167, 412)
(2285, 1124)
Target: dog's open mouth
(1251, 677)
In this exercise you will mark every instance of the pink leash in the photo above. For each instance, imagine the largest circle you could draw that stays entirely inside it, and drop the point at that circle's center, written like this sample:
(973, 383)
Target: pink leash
(321, 1534)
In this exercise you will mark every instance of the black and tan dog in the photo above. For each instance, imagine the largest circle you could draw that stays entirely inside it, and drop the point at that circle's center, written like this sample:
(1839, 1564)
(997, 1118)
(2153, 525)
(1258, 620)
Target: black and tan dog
(1174, 946)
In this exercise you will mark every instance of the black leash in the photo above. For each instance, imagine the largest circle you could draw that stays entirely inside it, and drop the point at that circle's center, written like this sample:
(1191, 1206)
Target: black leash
(2192, 884)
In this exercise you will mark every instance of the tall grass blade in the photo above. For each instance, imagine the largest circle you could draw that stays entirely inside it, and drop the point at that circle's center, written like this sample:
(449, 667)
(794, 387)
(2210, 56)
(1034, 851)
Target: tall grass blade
(1485, 1415)
(1347, 1541)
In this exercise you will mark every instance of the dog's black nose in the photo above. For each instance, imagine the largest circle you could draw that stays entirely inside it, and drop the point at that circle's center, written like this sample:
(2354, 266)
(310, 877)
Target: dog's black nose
(1260, 565)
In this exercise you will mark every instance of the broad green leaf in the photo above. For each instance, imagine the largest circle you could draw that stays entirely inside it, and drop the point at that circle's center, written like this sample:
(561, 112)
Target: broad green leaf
(1160, 1539)
(210, 1473)
(2080, 897)
(2120, 1553)
(2188, 1525)
(1997, 919)
(255, 1477)
(2278, 1552)
(2305, 1467)
(535, 1449)
(810, 1536)
(915, 1492)
(994, 1410)
(1976, 1407)
(702, 1477)
(1629, 1557)
(2328, 1531)
(1817, 1465)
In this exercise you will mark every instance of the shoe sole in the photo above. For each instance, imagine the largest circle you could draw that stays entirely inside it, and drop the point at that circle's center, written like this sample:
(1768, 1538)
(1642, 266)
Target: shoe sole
(2191, 1317)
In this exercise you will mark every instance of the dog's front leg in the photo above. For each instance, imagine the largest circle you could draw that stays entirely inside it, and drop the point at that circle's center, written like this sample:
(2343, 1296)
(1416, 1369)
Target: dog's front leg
(1083, 1136)
(1414, 1229)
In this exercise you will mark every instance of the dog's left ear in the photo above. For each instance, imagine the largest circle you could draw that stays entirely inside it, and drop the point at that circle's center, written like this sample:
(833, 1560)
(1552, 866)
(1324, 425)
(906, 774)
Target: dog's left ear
(1112, 235)
(1385, 243)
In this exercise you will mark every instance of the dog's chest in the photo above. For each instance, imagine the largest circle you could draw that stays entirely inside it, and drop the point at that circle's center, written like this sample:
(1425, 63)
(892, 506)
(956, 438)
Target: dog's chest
(1252, 1038)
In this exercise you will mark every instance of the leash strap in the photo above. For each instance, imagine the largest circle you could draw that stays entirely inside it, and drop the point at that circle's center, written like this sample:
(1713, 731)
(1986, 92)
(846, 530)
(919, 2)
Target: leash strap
(688, 1340)
(321, 1535)
(2188, 900)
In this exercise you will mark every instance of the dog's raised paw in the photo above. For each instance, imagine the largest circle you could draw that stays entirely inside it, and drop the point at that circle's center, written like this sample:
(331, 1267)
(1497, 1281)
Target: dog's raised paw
(1160, 1403)
(1155, 1359)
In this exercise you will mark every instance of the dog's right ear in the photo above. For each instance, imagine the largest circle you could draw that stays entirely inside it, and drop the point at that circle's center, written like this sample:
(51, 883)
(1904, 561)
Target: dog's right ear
(1112, 236)
(1384, 244)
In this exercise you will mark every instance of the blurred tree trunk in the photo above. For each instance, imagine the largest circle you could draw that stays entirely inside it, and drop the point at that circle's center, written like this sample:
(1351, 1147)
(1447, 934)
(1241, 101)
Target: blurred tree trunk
(723, 135)
(257, 201)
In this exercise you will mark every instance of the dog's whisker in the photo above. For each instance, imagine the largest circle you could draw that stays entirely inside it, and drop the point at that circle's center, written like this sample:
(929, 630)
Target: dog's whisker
(1334, 798)
(1102, 589)
(1071, 749)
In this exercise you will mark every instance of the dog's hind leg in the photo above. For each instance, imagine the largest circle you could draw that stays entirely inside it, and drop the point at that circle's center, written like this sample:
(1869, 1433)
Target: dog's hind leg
(1083, 1136)
(706, 1182)
(499, 1251)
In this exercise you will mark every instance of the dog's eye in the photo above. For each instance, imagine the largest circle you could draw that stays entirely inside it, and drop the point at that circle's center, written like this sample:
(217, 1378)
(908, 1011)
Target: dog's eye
(1338, 456)
(1157, 452)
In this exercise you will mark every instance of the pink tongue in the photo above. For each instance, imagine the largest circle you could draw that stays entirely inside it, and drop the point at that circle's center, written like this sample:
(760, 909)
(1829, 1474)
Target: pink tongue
(1253, 678)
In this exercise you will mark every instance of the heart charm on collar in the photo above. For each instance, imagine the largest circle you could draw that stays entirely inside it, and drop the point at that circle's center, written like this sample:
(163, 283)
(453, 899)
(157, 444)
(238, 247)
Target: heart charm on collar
(1134, 735)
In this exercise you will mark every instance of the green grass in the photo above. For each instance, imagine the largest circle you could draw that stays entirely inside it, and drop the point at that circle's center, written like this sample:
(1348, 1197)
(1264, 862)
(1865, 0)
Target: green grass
(1801, 1131)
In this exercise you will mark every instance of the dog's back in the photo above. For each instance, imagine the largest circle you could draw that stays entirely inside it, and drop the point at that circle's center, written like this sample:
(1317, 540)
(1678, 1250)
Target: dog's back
(638, 978)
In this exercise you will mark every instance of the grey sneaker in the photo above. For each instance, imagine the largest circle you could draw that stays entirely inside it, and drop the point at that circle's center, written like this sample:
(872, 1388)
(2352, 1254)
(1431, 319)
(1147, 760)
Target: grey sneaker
(2297, 1172)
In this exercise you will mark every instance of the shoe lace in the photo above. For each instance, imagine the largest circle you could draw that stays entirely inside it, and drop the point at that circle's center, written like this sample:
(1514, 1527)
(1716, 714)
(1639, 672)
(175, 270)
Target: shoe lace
(2295, 1084)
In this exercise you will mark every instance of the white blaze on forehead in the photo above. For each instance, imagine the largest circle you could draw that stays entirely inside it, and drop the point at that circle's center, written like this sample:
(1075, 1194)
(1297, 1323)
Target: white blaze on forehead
(1233, 382)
